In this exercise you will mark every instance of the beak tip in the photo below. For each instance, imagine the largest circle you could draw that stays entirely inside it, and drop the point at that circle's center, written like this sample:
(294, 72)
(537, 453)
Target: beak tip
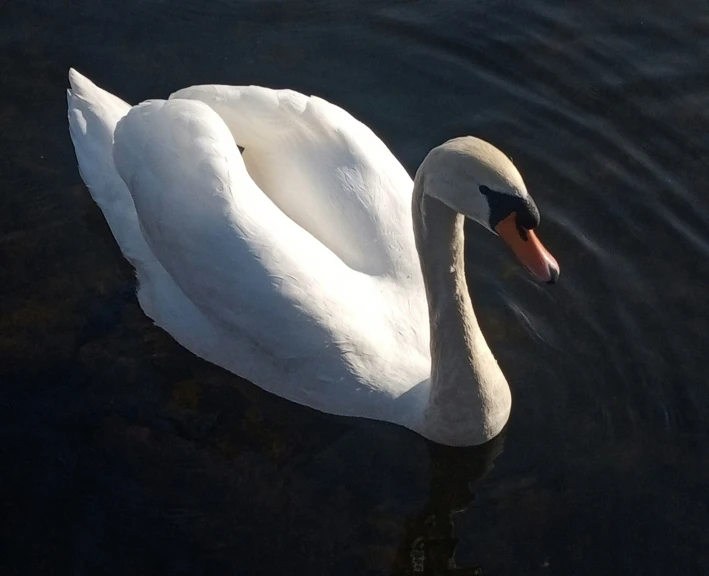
(553, 274)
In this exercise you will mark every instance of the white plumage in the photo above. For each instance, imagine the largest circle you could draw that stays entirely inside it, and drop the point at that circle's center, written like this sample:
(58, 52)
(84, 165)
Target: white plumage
(293, 265)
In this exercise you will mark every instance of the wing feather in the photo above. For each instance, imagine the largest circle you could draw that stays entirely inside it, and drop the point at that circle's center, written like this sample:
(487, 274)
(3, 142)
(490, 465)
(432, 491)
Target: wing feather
(233, 253)
(324, 169)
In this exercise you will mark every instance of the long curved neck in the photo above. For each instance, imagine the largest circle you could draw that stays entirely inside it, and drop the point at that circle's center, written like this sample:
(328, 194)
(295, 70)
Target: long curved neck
(469, 400)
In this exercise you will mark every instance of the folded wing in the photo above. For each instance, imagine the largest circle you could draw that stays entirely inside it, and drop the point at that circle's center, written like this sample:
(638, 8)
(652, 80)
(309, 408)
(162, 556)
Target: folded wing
(325, 170)
(243, 262)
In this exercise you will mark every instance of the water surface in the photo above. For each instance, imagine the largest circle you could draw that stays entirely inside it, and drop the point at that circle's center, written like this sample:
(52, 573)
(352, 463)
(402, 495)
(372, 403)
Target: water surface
(124, 454)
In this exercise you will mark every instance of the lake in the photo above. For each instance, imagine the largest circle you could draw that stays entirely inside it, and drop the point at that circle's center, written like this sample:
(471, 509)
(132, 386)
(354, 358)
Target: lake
(122, 453)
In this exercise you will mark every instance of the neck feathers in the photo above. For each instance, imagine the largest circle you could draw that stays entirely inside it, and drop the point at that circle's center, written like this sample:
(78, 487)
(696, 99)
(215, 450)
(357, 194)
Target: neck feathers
(469, 399)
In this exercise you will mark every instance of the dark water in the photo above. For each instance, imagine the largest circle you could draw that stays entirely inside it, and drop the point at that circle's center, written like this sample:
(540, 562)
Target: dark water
(124, 454)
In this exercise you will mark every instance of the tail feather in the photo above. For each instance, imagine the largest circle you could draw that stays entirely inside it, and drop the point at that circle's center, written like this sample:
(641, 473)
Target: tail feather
(93, 114)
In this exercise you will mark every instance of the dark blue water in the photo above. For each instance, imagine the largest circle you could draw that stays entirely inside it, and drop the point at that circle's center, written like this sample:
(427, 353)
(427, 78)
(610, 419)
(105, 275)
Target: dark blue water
(124, 454)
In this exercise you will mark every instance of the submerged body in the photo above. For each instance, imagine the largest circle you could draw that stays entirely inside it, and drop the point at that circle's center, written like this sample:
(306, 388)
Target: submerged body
(297, 264)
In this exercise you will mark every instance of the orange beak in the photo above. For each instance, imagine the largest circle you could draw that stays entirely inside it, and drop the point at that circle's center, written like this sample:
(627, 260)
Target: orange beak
(529, 251)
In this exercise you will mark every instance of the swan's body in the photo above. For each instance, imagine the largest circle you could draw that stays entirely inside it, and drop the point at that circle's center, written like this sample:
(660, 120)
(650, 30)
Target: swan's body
(295, 265)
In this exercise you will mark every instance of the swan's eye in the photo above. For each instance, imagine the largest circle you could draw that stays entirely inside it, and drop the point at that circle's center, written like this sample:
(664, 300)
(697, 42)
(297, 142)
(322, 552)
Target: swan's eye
(502, 205)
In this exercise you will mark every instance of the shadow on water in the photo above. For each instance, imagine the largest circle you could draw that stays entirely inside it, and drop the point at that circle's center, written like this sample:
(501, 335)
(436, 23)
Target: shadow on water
(429, 544)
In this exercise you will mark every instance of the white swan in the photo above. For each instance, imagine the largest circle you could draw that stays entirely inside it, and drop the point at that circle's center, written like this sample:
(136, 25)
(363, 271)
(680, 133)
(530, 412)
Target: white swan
(296, 264)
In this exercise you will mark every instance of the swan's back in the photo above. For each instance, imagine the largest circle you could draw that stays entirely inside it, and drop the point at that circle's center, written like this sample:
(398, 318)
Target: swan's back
(324, 169)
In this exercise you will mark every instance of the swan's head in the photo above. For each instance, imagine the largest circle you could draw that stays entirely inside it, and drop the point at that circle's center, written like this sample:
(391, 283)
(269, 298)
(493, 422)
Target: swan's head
(477, 180)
